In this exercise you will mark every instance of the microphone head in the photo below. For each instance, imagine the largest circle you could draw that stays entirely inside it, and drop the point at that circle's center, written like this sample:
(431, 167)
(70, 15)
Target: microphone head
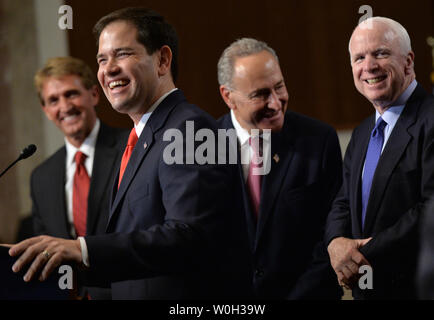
(28, 151)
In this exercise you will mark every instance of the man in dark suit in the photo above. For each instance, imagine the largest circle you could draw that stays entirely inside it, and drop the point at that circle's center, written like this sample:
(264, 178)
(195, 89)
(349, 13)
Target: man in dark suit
(169, 229)
(286, 208)
(388, 168)
(68, 94)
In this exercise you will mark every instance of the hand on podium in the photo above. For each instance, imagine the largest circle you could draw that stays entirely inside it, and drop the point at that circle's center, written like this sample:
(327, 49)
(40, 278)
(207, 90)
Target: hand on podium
(44, 254)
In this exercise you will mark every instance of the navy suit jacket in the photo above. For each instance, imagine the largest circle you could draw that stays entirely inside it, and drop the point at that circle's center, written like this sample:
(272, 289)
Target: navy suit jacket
(288, 258)
(169, 229)
(48, 189)
(402, 184)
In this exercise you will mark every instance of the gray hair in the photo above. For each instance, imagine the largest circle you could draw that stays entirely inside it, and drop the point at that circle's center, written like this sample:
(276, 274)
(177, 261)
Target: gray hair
(395, 27)
(240, 48)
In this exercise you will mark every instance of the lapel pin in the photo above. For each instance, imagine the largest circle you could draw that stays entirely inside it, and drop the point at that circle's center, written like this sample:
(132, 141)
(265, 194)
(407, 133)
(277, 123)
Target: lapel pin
(145, 145)
(276, 158)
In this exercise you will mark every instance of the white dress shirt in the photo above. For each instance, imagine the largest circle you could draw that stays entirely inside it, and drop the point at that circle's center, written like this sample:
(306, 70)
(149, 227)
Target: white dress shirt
(246, 150)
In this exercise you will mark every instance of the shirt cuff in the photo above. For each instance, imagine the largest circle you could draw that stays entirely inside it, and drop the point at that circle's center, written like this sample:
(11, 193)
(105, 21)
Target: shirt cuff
(84, 254)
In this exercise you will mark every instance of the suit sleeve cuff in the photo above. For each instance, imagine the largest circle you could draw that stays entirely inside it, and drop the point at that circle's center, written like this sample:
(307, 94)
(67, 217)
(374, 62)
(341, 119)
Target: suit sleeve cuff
(84, 253)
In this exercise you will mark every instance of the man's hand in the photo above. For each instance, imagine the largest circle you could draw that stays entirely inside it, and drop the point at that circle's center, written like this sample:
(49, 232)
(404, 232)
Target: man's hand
(47, 253)
(346, 259)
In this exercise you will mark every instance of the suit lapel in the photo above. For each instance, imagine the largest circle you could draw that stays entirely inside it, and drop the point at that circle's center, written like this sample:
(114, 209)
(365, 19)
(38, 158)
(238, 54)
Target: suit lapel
(226, 123)
(394, 149)
(57, 189)
(144, 144)
(105, 157)
(133, 165)
(282, 146)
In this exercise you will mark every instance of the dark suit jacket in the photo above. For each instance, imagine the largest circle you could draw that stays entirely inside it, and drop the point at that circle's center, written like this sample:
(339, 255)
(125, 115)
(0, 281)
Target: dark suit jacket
(169, 229)
(48, 189)
(295, 199)
(425, 279)
(403, 181)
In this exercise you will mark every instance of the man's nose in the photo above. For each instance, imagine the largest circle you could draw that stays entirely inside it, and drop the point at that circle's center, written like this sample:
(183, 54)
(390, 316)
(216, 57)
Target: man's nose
(371, 64)
(274, 101)
(65, 104)
(111, 67)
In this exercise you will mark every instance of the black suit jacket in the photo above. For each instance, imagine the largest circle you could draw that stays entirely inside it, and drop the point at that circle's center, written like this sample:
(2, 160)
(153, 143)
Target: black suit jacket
(169, 230)
(48, 189)
(425, 279)
(403, 181)
(287, 255)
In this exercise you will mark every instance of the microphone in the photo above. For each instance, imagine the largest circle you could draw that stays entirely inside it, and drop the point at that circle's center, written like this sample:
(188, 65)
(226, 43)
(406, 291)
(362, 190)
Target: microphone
(27, 152)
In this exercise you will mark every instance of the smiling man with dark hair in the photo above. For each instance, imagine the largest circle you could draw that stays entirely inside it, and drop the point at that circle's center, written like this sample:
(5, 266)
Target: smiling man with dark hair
(171, 234)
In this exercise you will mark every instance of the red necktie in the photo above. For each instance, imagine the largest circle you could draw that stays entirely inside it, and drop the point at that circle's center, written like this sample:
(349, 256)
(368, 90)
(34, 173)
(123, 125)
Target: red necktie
(80, 192)
(132, 140)
(254, 179)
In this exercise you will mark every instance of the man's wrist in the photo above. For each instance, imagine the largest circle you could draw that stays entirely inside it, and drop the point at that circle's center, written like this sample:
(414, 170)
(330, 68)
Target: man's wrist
(84, 254)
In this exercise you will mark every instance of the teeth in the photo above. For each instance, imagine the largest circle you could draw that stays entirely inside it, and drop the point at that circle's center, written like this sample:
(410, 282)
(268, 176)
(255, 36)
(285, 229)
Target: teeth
(69, 118)
(117, 83)
(372, 81)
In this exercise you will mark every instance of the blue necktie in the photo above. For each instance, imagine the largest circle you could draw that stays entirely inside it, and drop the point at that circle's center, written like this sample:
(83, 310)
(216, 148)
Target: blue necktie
(371, 161)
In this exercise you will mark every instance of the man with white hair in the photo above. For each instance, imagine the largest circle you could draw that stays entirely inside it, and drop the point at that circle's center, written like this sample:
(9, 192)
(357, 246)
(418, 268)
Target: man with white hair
(388, 168)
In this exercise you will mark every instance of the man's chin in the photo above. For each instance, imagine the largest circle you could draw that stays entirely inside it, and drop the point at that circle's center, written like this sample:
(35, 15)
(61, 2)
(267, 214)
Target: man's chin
(274, 127)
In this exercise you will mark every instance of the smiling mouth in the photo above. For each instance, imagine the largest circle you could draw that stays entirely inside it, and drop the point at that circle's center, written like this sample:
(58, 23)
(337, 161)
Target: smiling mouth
(271, 116)
(375, 80)
(118, 83)
(70, 117)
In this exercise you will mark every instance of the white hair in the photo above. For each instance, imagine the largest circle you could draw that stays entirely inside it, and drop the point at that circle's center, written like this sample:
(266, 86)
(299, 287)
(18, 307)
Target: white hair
(240, 48)
(395, 30)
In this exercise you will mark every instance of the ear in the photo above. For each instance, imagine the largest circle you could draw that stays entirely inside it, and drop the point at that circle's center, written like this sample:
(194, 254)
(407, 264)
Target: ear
(409, 65)
(95, 94)
(226, 93)
(165, 60)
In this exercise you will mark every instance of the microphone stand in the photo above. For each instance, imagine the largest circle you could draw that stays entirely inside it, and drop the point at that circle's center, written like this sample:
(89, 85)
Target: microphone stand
(10, 166)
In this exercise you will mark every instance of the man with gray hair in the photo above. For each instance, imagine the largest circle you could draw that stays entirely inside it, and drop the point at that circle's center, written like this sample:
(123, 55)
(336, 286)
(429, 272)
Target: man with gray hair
(388, 168)
(285, 210)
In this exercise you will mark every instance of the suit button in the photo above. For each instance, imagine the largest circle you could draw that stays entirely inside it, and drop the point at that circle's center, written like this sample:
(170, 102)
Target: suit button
(259, 273)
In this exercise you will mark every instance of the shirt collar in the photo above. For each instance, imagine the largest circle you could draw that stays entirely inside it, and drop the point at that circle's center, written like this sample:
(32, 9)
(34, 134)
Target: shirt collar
(242, 134)
(144, 119)
(87, 147)
(392, 114)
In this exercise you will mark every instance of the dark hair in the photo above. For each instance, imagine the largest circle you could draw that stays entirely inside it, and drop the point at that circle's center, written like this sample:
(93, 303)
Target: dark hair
(152, 31)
